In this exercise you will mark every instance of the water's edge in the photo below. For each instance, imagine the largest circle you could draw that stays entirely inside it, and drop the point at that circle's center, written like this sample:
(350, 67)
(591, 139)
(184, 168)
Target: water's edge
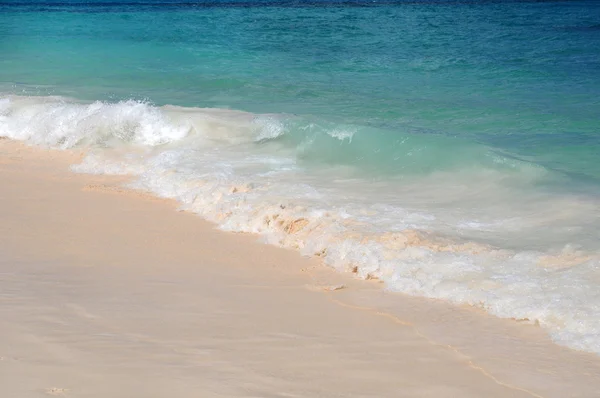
(236, 170)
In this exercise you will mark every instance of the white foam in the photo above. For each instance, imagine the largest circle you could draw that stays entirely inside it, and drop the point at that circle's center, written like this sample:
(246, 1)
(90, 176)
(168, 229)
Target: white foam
(57, 122)
(269, 128)
(513, 284)
(342, 134)
(495, 248)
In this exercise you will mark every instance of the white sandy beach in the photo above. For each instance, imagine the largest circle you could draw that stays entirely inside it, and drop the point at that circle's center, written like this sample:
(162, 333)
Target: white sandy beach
(112, 293)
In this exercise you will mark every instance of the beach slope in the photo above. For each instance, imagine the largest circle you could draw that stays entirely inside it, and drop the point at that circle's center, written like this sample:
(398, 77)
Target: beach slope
(112, 293)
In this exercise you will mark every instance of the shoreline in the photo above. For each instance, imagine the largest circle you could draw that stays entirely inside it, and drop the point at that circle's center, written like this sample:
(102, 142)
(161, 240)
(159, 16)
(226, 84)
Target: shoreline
(515, 257)
(287, 328)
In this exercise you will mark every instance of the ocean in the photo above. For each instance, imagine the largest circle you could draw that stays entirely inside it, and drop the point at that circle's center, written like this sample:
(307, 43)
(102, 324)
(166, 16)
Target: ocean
(448, 148)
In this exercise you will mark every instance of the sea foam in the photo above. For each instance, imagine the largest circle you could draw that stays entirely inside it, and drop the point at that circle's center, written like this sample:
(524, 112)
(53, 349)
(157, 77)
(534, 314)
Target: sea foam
(467, 235)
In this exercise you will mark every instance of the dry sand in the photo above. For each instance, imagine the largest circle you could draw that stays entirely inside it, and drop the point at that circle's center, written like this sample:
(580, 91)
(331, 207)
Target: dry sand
(109, 293)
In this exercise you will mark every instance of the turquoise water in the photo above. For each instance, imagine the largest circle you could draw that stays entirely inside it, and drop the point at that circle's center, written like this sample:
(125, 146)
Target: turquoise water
(449, 148)
(520, 77)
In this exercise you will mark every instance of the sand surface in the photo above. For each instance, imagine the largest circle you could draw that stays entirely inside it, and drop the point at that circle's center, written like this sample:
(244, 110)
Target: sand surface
(110, 293)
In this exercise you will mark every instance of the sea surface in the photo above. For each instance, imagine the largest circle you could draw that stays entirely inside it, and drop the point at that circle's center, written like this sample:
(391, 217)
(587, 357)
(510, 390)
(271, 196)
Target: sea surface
(448, 148)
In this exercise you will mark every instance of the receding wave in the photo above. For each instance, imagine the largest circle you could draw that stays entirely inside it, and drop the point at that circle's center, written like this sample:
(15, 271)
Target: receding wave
(429, 215)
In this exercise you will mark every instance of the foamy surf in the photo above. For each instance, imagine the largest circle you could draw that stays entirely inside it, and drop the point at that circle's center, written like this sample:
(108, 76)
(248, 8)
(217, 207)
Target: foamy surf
(490, 231)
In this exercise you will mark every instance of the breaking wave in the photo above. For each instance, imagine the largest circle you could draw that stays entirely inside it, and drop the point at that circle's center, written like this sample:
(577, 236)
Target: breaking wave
(429, 215)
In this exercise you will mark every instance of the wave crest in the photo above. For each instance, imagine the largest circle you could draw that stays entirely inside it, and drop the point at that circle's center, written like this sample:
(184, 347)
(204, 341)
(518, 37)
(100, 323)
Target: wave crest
(460, 225)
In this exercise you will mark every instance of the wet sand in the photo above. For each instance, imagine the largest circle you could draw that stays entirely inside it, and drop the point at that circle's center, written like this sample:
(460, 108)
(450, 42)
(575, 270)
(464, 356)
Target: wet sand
(106, 292)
